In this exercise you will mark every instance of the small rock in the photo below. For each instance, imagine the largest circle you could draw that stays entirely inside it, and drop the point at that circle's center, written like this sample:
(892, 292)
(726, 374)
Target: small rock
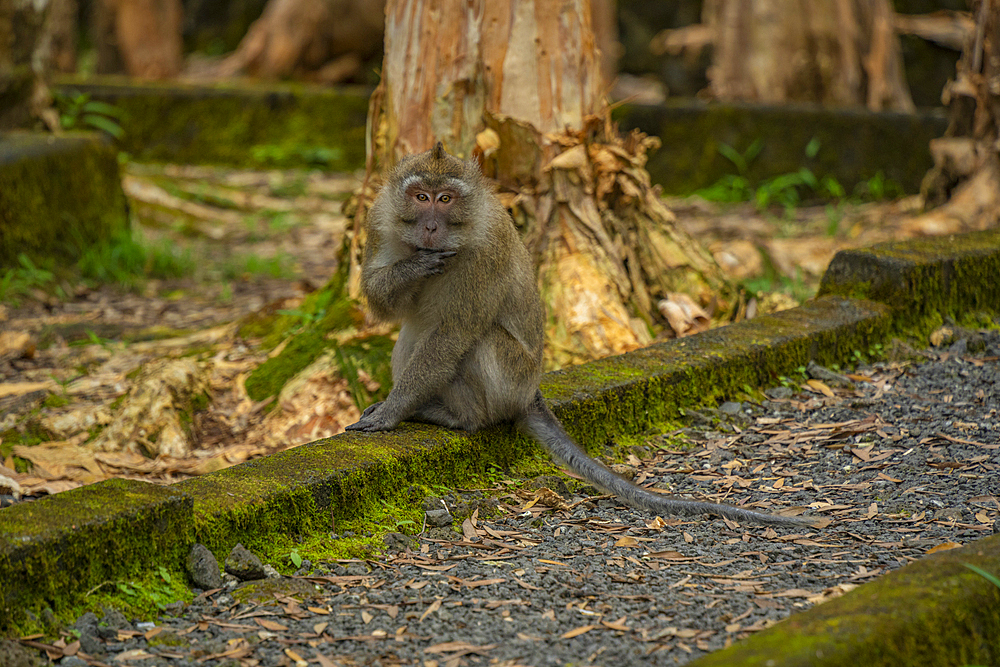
(72, 661)
(175, 608)
(229, 582)
(438, 518)
(271, 573)
(779, 393)
(304, 569)
(431, 504)
(111, 623)
(355, 569)
(13, 654)
(203, 568)
(824, 374)
(86, 625)
(949, 514)
(730, 408)
(244, 565)
(396, 542)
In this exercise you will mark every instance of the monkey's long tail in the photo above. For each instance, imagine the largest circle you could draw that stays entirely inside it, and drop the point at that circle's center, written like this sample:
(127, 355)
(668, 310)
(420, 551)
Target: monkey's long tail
(540, 423)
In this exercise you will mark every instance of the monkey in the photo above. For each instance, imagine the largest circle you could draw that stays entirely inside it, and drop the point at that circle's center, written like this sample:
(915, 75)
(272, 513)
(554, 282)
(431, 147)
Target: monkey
(443, 258)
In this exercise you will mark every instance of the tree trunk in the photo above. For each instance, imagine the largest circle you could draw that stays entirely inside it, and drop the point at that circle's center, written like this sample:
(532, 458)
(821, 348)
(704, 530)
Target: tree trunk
(328, 40)
(831, 52)
(965, 179)
(28, 37)
(518, 84)
(141, 36)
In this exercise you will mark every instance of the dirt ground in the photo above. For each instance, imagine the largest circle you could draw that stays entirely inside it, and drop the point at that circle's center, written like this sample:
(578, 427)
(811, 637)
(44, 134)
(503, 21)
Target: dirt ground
(90, 387)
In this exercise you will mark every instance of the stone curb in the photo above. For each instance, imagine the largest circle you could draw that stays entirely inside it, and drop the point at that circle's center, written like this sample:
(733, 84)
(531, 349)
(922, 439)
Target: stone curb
(58, 195)
(853, 145)
(266, 126)
(934, 611)
(304, 488)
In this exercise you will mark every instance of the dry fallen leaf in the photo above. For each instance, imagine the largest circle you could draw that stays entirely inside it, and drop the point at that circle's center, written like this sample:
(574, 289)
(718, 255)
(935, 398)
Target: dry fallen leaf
(271, 625)
(944, 546)
(821, 387)
(576, 632)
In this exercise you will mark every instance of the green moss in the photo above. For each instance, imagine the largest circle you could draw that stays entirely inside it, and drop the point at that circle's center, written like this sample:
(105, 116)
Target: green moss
(926, 281)
(142, 596)
(167, 638)
(268, 591)
(57, 196)
(58, 548)
(326, 320)
(55, 401)
(284, 125)
(607, 399)
(932, 612)
(852, 147)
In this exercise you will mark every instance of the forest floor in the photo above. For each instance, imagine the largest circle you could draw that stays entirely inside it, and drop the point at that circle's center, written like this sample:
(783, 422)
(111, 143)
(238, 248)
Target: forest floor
(222, 244)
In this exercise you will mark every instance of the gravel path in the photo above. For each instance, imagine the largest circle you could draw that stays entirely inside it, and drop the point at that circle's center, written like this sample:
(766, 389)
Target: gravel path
(903, 460)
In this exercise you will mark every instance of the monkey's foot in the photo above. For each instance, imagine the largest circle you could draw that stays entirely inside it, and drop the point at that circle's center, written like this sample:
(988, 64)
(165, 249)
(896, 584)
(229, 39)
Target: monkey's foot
(370, 409)
(372, 419)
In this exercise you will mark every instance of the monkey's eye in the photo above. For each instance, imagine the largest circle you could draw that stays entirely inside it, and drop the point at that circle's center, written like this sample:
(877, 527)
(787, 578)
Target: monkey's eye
(444, 199)
(422, 196)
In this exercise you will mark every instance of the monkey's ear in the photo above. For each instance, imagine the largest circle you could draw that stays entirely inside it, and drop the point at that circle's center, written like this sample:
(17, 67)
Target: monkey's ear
(438, 152)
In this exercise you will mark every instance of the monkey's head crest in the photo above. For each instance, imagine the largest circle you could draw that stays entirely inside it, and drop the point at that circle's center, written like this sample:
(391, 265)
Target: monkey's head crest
(438, 168)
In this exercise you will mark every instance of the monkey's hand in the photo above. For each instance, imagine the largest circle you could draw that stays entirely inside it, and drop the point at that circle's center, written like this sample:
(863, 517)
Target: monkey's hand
(372, 421)
(430, 262)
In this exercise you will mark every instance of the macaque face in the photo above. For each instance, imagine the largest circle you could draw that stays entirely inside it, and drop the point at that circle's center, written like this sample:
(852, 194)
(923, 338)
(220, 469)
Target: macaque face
(433, 216)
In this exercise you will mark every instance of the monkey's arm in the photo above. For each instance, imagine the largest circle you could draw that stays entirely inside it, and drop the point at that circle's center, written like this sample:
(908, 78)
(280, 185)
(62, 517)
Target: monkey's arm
(390, 289)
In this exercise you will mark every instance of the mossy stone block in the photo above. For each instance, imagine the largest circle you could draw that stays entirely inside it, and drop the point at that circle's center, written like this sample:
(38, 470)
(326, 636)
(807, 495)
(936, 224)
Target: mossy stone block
(638, 390)
(854, 145)
(922, 279)
(55, 549)
(312, 487)
(274, 125)
(932, 612)
(58, 195)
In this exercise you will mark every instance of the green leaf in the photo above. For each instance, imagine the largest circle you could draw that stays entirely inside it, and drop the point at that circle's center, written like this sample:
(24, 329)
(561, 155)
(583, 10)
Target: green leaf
(731, 154)
(753, 150)
(992, 578)
(102, 108)
(295, 558)
(812, 148)
(106, 124)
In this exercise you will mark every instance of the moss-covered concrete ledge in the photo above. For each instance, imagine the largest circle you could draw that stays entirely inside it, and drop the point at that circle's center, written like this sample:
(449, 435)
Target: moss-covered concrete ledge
(274, 125)
(302, 490)
(854, 145)
(935, 611)
(923, 280)
(57, 194)
(57, 548)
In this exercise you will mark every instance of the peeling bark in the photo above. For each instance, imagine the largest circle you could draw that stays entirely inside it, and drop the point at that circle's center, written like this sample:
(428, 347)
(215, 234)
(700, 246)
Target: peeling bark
(965, 181)
(518, 84)
(830, 52)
